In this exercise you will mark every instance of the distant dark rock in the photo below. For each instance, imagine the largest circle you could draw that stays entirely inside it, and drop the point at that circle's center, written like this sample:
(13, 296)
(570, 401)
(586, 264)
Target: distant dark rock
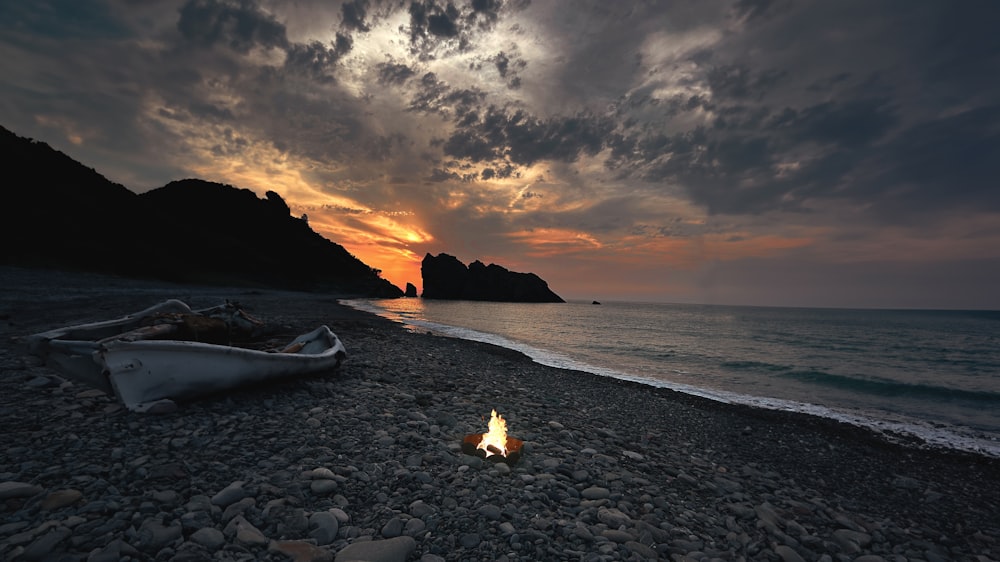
(445, 277)
(411, 290)
(595, 302)
(60, 214)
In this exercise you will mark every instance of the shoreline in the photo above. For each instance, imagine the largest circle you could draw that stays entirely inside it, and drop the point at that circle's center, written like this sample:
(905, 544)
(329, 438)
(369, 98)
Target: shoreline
(906, 431)
(369, 457)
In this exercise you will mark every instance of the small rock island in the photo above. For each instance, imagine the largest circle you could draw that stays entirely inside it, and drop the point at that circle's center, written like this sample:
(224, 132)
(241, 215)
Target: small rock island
(445, 277)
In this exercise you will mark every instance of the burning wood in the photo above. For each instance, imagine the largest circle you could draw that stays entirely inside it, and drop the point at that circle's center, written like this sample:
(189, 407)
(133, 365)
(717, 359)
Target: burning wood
(494, 445)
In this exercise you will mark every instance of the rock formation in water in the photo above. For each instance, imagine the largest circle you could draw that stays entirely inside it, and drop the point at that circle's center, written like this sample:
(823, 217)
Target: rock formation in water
(411, 290)
(445, 277)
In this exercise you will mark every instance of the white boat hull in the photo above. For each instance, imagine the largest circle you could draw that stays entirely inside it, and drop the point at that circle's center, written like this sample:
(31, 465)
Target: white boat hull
(145, 371)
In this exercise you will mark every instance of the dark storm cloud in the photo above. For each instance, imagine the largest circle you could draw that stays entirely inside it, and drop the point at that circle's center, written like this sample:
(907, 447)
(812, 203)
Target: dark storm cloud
(64, 19)
(853, 123)
(827, 84)
(489, 8)
(428, 17)
(440, 175)
(209, 111)
(947, 162)
(500, 172)
(434, 23)
(903, 125)
(740, 81)
(353, 15)
(524, 139)
(435, 96)
(472, 146)
(239, 24)
(394, 73)
(381, 148)
(448, 20)
(733, 168)
(962, 48)
(509, 66)
(316, 59)
(486, 12)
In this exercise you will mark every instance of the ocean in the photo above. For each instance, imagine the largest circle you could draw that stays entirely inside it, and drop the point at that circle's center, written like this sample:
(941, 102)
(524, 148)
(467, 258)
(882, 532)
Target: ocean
(929, 374)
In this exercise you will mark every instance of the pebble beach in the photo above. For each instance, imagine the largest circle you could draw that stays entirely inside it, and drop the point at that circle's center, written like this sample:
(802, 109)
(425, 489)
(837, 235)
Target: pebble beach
(365, 462)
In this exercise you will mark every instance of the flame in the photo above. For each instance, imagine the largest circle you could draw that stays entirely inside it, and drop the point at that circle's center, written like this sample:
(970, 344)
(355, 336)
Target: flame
(496, 439)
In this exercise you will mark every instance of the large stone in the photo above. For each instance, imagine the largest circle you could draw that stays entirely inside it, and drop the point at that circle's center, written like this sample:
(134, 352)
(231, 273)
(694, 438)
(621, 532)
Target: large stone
(113, 552)
(43, 545)
(237, 508)
(612, 517)
(321, 473)
(154, 535)
(596, 493)
(301, 551)
(641, 550)
(209, 537)
(230, 494)
(323, 487)
(18, 490)
(392, 528)
(851, 541)
(617, 536)
(245, 532)
(490, 511)
(390, 550)
(414, 527)
(787, 554)
(60, 499)
(325, 527)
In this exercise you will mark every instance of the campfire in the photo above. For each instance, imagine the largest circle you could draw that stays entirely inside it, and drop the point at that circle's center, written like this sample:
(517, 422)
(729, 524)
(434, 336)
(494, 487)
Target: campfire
(494, 445)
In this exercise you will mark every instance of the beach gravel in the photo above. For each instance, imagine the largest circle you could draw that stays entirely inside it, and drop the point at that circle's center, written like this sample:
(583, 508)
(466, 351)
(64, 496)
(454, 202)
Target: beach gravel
(365, 462)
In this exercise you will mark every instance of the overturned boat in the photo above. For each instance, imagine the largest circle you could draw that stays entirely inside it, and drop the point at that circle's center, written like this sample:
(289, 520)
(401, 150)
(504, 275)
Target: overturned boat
(169, 352)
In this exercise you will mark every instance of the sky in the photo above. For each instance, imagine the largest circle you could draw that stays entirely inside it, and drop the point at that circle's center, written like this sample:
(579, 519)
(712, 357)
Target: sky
(759, 152)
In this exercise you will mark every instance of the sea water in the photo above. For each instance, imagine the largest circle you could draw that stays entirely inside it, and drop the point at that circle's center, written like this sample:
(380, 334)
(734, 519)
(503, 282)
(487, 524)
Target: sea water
(930, 374)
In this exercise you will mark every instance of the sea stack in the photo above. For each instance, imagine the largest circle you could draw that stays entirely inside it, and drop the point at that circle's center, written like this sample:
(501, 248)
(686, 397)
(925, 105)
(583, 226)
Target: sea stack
(445, 277)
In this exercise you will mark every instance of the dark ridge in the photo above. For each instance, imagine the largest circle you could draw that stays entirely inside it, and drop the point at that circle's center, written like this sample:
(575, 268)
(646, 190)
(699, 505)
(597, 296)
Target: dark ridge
(61, 214)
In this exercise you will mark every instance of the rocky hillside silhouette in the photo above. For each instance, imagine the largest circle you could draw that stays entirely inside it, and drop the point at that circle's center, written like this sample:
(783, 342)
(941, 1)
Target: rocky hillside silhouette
(445, 277)
(59, 213)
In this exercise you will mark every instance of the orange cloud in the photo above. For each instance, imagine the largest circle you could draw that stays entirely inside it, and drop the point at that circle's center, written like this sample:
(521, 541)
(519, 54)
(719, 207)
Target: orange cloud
(687, 252)
(693, 252)
(551, 242)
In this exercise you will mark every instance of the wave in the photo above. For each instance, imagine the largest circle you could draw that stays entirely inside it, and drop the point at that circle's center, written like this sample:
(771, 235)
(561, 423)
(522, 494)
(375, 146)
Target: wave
(887, 388)
(754, 366)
